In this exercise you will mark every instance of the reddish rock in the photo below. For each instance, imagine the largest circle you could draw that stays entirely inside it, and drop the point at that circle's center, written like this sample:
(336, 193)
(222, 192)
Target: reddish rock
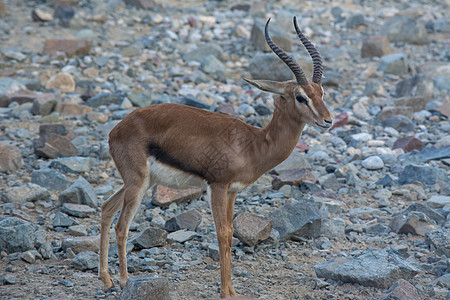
(10, 158)
(434, 119)
(401, 290)
(70, 47)
(293, 177)
(144, 4)
(2, 8)
(375, 45)
(340, 120)
(57, 146)
(164, 196)
(444, 110)
(251, 229)
(302, 147)
(68, 109)
(389, 111)
(408, 144)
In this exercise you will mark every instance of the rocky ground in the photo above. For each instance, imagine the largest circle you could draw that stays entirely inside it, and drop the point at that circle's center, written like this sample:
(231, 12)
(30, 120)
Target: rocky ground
(360, 212)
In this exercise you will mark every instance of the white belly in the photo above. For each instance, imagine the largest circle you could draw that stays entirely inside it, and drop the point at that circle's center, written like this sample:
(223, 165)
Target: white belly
(171, 177)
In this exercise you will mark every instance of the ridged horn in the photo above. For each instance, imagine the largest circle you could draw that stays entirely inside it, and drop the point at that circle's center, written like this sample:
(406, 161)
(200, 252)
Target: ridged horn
(315, 55)
(287, 59)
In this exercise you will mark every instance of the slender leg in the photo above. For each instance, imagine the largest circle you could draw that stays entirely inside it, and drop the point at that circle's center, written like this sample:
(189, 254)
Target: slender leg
(224, 229)
(109, 209)
(132, 199)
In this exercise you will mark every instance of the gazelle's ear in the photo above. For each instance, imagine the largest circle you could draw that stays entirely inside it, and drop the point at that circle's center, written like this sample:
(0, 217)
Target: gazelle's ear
(268, 85)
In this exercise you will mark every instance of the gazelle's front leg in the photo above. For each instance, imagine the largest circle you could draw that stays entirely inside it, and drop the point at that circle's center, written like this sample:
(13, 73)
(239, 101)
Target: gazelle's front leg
(224, 227)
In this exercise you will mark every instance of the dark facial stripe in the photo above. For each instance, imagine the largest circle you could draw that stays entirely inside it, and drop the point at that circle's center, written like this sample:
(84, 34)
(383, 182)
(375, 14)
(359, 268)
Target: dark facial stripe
(165, 158)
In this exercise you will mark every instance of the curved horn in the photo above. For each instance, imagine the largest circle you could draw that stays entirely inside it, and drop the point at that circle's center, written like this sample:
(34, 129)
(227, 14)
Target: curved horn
(315, 55)
(288, 60)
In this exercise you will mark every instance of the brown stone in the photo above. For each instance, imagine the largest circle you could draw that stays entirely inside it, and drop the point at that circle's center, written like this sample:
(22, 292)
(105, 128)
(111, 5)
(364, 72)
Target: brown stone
(164, 196)
(444, 110)
(416, 103)
(20, 98)
(70, 47)
(2, 8)
(144, 4)
(68, 109)
(302, 147)
(251, 229)
(389, 111)
(340, 120)
(82, 243)
(401, 290)
(408, 144)
(10, 158)
(57, 146)
(64, 82)
(293, 177)
(375, 45)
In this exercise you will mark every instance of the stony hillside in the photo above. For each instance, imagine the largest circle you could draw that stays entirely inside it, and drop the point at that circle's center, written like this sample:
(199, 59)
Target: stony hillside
(359, 212)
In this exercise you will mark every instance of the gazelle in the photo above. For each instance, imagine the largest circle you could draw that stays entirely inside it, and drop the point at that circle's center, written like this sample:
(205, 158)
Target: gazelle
(181, 147)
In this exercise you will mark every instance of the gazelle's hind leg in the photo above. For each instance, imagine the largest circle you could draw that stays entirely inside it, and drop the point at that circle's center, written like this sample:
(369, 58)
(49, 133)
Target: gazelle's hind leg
(109, 209)
(132, 199)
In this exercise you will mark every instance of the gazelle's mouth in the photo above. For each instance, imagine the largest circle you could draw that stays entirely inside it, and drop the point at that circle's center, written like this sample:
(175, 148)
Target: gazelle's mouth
(326, 126)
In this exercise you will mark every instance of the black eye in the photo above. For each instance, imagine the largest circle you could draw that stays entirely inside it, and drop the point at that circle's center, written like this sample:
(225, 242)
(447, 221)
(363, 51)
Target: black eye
(301, 99)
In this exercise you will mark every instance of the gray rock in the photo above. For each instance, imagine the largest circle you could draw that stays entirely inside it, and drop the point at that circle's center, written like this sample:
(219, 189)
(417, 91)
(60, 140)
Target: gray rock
(413, 222)
(269, 67)
(27, 193)
(281, 37)
(86, 260)
(423, 174)
(140, 98)
(212, 65)
(400, 123)
(373, 163)
(374, 88)
(181, 236)
(103, 99)
(113, 250)
(404, 29)
(195, 102)
(78, 210)
(415, 86)
(427, 154)
(76, 164)
(187, 220)
(292, 177)
(376, 268)
(396, 64)
(16, 235)
(295, 160)
(10, 158)
(146, 288)
(402, 290)
(296, 220)
(80, 192)
(202, 51)
(355, 21)
(246, 110)
(62, 220)
(150, 237)
(442, 83)
(431, 213)
(213, 251)
(439, 241)
(250, 229)
(50, 179)
(333, 229)
(437, 201)
(105, 129)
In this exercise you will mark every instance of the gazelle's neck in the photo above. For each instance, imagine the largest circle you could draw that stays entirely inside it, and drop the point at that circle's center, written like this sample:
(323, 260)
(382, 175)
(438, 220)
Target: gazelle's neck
(282, 133)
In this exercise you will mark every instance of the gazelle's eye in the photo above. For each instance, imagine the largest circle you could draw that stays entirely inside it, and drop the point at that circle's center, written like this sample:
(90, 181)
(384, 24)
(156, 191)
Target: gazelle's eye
(301, 99)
